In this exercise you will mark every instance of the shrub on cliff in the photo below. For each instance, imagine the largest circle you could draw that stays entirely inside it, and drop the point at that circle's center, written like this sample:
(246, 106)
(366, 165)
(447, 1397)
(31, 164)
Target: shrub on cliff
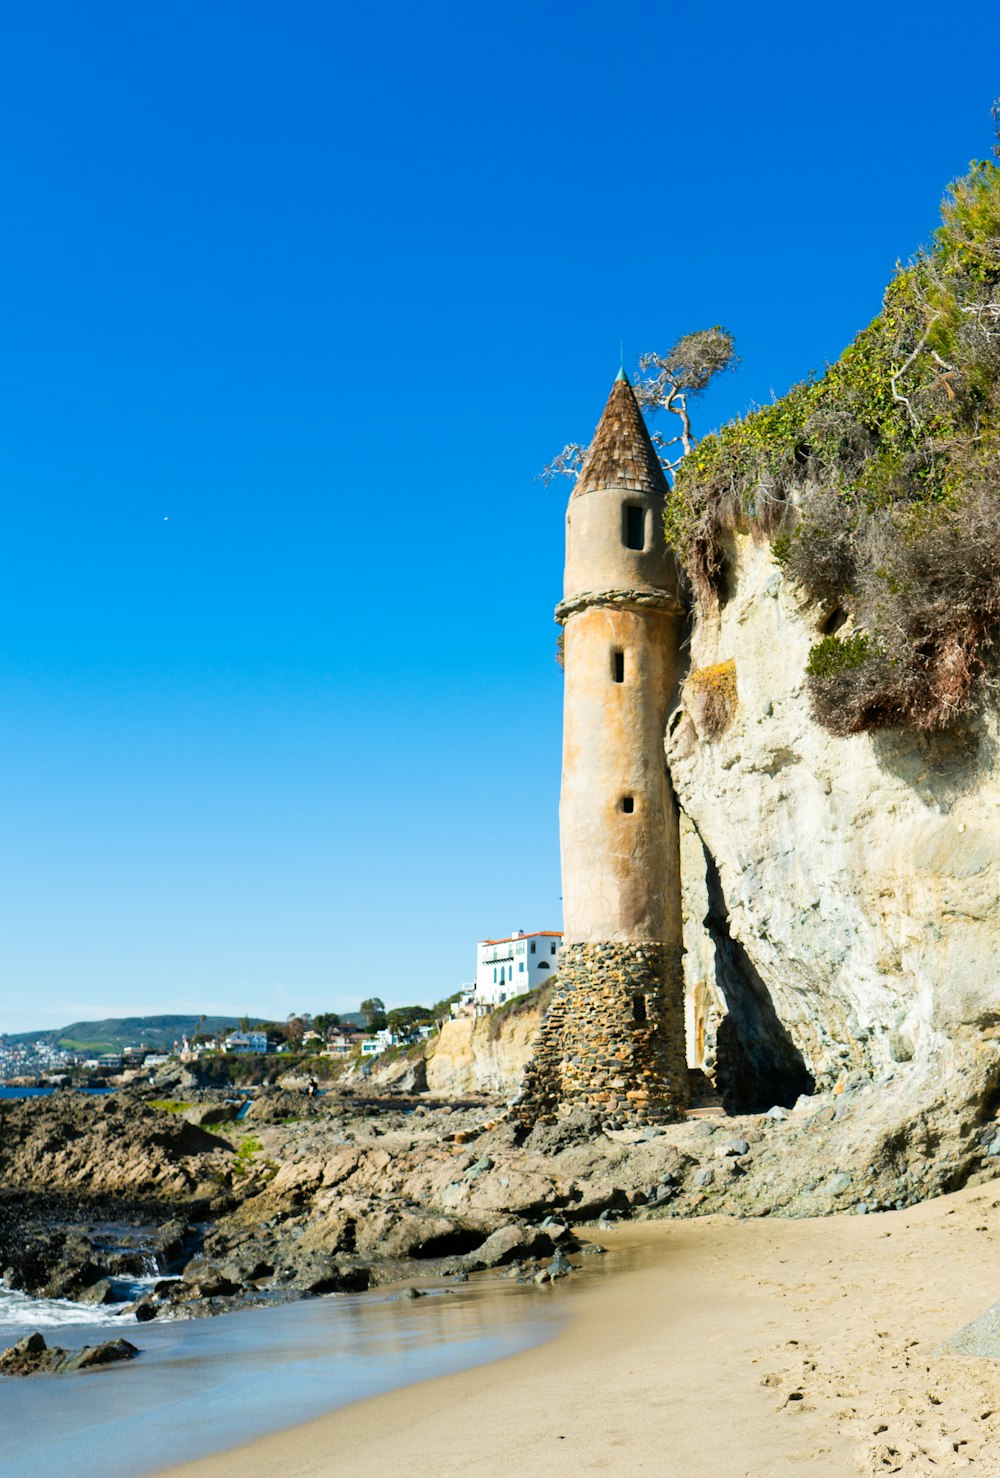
(532, 1000)
(711, 695)
(879, 484)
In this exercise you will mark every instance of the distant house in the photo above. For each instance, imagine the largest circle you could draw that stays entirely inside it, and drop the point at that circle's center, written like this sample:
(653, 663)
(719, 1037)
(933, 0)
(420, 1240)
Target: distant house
(510, 967)
(245, 1042)
(343, 1042)
(378, 1042)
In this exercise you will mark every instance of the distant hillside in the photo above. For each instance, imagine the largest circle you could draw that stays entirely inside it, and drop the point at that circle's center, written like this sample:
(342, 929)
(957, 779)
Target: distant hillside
(116, 1032)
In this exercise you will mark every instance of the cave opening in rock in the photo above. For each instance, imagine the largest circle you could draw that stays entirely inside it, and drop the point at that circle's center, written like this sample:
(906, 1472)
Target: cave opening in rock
(449, 1244)
(833, 621)
(757, 1063)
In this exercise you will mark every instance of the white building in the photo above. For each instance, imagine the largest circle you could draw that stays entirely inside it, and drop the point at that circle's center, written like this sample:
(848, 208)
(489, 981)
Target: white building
(510, 967)
(380, 1042)
(245, 1042)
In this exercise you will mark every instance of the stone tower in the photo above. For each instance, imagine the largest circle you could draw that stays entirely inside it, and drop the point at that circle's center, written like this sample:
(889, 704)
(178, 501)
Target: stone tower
(613, 1039)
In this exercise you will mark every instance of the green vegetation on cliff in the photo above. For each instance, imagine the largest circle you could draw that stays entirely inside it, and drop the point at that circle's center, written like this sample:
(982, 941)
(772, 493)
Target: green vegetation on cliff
(879, 485)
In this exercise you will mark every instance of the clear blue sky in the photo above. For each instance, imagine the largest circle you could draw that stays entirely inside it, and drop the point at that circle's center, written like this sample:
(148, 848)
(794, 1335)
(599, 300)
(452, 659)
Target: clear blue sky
(297, 299)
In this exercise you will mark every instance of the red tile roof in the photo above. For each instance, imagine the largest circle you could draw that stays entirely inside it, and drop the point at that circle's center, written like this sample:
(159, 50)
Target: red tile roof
(538, 934)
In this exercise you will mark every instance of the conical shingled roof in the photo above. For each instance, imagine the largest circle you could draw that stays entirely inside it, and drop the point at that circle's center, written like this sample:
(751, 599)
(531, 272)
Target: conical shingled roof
(621, 454)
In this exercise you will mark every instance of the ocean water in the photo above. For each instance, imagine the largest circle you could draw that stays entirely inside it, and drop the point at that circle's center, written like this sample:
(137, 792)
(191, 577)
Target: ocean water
(206, 1385)
(20, 1314)
(7, 1092)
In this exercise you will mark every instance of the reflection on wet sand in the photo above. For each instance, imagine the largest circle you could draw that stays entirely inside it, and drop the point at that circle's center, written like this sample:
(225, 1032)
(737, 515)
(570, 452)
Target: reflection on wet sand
(204, 1386)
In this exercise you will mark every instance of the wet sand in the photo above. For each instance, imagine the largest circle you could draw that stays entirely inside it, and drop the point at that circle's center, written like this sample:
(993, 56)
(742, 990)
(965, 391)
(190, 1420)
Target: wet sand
(732, 1349)
(204, 1385)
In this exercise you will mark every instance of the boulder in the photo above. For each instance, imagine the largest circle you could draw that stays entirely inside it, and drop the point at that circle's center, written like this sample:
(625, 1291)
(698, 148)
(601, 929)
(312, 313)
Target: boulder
(31, 1356)
(511, 1244)
(100, 1292)
(203, 1114)
(69, 1279)
(316, 1273)
(24, 1357)
(106, 1354)
(206, 1280)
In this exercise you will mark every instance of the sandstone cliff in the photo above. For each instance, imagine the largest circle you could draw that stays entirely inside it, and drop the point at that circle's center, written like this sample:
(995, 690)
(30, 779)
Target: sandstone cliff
(487, 1054)
(840, 893)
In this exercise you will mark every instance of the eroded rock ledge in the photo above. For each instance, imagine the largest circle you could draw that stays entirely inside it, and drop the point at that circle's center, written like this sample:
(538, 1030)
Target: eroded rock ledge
(349, 1192)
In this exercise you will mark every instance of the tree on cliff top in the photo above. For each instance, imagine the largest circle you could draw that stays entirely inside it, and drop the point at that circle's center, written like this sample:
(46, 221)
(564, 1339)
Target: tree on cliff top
(666, 382)
(371, 1009)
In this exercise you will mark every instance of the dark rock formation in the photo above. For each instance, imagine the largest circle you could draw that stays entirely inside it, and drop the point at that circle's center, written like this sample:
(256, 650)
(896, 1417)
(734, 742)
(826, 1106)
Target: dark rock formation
(32, 1356)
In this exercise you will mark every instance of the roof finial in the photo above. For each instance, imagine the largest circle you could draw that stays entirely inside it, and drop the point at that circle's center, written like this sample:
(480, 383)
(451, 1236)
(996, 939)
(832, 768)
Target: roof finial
(621, 375)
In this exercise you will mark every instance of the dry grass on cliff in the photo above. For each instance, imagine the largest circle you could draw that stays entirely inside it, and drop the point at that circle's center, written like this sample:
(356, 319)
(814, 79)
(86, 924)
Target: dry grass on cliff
(879, 485)
(534, 1000)
(710, 694)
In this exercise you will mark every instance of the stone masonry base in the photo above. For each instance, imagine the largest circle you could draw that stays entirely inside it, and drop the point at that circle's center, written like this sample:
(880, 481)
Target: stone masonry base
(612, 1040)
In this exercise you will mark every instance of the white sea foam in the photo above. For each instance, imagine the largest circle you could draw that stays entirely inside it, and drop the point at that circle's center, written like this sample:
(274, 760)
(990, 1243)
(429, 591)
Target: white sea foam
(19, 1311)
(204, 1385)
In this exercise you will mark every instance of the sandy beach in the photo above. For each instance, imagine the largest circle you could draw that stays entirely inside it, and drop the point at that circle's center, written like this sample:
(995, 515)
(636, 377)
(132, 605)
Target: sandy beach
(732, 1349)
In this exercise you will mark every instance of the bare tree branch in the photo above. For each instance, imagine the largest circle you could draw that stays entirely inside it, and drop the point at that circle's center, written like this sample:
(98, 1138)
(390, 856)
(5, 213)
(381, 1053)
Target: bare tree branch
(907, 362)
(684, 371)
(566, 464)
(671, 380)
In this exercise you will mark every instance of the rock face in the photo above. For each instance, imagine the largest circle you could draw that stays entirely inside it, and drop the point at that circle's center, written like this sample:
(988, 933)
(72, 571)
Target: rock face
(364, 1190)
(32, 1356)
(469, 1055)
(72, 1144)
(841, 895)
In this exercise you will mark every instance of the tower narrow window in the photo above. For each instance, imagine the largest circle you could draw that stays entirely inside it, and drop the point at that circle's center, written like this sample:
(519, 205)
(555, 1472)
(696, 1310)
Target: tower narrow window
(628, 804)
(634, 531)
(638, 1008)
(618, 665)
